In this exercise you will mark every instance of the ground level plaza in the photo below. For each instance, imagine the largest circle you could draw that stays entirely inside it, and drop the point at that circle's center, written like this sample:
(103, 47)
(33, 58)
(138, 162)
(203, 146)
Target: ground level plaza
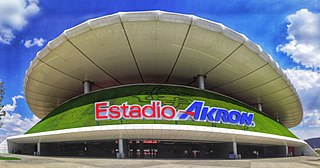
(28, 161)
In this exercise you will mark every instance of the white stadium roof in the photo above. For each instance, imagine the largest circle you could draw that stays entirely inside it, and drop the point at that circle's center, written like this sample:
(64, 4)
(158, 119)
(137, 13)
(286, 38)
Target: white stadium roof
(158, 47)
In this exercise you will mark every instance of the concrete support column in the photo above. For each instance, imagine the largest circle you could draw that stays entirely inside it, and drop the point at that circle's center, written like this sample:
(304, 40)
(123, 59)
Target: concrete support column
(277, 117)
(259, 106)
(120, 147)
(87, 87)
(38, 148)
(287, 150)
(235, 149)
(141, 147)
(201, 81)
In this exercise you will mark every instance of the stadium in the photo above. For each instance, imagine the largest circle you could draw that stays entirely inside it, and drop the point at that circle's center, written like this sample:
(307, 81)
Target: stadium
(156, 84)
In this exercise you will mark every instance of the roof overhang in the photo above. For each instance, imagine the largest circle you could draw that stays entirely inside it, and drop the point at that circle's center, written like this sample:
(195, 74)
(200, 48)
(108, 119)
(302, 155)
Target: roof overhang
(159, 132)
(158, 47)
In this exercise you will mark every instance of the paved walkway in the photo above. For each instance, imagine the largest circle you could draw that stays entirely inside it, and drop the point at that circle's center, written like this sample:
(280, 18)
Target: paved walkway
(71, 162)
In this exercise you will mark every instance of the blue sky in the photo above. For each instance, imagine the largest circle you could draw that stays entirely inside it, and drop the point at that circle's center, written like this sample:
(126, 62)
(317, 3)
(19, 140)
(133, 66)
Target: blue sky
(264, 22)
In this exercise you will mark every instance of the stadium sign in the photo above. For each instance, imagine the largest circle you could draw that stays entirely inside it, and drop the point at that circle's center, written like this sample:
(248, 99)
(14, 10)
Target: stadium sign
(196, 111)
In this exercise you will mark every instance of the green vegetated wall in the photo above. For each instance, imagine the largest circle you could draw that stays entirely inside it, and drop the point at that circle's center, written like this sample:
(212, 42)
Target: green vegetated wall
(79, 112)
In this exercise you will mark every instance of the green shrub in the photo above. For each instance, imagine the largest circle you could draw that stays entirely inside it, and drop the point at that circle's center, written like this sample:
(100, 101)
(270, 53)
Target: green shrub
(9, 158)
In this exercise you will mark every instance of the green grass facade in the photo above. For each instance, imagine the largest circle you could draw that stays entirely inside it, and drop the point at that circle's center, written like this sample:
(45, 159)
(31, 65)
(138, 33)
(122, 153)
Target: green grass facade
(79, 111)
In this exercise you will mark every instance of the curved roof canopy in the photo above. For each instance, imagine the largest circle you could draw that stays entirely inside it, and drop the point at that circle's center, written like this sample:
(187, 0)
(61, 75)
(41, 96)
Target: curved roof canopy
(158, 47)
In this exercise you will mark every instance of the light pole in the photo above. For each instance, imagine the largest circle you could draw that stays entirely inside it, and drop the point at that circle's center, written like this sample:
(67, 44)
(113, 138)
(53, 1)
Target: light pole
(2, 114)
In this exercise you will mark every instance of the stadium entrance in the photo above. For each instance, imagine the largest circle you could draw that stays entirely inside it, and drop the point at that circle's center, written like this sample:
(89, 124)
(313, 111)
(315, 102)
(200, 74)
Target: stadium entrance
(168, 149)
(154, 149)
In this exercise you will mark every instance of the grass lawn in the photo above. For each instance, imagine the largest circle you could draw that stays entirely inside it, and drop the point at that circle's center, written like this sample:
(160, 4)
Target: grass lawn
(79, 112)
(9, 158)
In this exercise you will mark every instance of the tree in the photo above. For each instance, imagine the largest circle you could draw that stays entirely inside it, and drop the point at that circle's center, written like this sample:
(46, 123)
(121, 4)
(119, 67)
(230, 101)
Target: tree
(1, 92)
(2, 113)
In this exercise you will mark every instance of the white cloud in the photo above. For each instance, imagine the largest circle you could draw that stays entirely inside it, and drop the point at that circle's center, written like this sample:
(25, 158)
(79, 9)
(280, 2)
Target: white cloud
(307, 83)
(304, 48)
(6, 35)
(14, 15)
(304, 38)
(304, 79)
(9, 107)
(36, 42)
(14, 123)
(311, 118)
(304, 133)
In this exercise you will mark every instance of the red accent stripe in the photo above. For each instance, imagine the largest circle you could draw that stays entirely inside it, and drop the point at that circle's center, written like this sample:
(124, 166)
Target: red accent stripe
(187, 112)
